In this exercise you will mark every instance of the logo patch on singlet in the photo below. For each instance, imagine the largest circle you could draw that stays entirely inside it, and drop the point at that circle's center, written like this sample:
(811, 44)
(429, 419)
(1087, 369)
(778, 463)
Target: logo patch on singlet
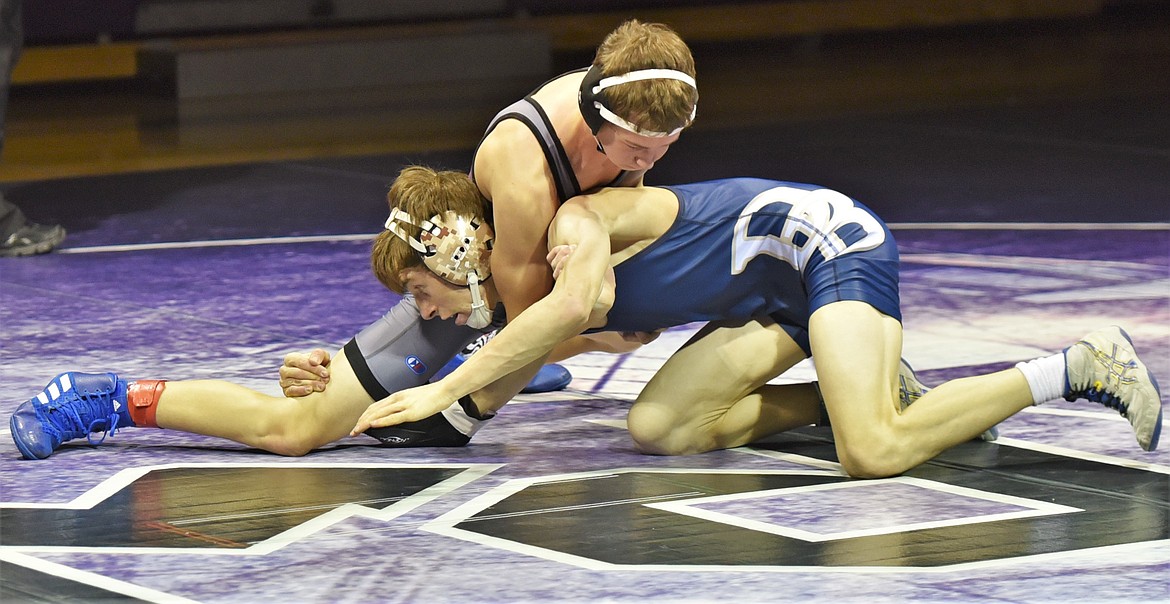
(416, 365)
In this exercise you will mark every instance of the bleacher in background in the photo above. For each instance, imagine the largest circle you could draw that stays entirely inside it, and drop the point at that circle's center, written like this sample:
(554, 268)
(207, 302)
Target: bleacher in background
(206, 48)
(133, 85)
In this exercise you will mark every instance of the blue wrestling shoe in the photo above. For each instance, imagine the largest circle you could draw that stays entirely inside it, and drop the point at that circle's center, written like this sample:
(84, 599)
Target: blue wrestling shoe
(551, 377)
(71, 406)
(1104, 368)
(910, 390)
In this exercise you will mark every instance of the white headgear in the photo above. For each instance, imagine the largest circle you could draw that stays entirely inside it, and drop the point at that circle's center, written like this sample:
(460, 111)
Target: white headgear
(455, 248)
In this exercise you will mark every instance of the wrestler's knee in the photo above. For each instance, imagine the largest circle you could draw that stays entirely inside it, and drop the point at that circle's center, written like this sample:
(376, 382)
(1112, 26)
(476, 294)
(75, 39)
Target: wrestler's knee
(291, 444)
(292, 429)
(658, 430)
(870, 453)
(647, 426)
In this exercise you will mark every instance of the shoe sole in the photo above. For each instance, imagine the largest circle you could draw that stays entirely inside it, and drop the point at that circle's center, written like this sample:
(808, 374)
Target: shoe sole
(1158, 391)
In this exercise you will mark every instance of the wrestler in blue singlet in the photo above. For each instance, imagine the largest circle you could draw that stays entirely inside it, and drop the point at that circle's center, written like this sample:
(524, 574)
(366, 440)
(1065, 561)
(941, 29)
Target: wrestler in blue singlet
(747, 247)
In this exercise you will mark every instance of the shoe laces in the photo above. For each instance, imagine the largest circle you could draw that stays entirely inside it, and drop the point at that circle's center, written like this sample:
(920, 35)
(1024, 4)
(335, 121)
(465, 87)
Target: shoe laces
(908, 392)
(1117, 373)
(79, 414)
(1097, 393)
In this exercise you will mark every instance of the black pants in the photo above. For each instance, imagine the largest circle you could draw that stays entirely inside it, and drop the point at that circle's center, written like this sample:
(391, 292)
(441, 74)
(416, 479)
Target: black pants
(11, 41)
(11, 219)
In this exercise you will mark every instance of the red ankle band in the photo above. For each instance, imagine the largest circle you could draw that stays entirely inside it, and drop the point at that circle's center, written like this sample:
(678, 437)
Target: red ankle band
(142, 398)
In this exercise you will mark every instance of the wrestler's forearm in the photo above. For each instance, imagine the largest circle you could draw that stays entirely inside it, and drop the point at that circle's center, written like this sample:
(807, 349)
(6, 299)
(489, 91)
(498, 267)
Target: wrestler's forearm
(495, 395)
(523, 343)
(565, 312)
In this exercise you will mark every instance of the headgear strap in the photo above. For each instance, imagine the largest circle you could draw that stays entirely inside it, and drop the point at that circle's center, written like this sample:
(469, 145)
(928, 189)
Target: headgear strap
(592, 100)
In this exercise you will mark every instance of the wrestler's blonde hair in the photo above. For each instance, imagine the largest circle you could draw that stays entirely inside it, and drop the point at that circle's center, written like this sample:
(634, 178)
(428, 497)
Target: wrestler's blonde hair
(660, 105)
(422, 193)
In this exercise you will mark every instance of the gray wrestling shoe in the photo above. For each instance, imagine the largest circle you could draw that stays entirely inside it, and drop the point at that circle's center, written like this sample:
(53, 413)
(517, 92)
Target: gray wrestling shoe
(1104, 368)
(32, 239)
(910, 390)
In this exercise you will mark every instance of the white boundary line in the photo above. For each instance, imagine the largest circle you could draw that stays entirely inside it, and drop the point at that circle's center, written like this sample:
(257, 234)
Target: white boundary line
(447, 526)
(124, 478)
(184, 245)
(1029, 226)
(1094, 415)
(92, 579)
(1085, 455)
(1030, 508)
(903, 226)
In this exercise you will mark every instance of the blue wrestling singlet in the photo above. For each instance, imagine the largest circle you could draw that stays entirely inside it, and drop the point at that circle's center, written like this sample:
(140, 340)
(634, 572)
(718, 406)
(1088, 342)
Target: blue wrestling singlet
(745, 247)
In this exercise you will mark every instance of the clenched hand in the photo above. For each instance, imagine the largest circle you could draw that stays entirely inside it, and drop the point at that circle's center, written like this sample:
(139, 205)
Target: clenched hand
(304, 373)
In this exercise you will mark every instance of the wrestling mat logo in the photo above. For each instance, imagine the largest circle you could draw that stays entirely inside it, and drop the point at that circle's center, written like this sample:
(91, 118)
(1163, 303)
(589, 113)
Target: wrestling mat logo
(947, 514)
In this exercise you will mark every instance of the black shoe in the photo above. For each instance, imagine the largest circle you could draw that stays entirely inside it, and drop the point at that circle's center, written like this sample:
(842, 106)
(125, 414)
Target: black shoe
(453, 427)
(32, 238)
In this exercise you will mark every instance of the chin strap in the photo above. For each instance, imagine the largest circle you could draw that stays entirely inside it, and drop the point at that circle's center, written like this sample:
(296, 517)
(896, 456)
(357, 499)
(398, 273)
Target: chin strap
(480, 316)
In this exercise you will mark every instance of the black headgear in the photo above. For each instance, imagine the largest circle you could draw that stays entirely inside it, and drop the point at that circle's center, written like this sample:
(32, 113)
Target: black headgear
(588, 99)
(594, 106)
